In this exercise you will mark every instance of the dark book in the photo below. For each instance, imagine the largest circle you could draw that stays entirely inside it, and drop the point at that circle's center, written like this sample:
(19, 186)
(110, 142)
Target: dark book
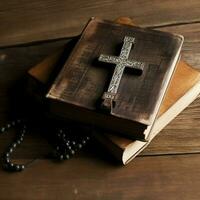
(80, 88)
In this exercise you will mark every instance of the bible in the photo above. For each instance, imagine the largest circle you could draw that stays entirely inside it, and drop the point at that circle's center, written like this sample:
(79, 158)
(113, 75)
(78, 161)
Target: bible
(125, 99)
(177, 98)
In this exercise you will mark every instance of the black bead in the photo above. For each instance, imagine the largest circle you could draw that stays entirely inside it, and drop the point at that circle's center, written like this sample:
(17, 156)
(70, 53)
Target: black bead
(18, 120)
(67, 141)
(13, 123)
(73, 143)
(18, 142)
(72, 152)
(60, 131)
(14, 145)
(57, 148)
(22, 167)
(7, 160)
(69, 147)
(61, 157)
(83, 142)
(66, 156)
(7, 155)
(11, 150)
(17, 167)
(87, 137)
(67, 144)
(10, 165)
(3, 129)
(22, 135)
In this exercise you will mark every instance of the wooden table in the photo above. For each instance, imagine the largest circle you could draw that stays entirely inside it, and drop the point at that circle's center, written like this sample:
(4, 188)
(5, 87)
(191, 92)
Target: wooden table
(168, 169)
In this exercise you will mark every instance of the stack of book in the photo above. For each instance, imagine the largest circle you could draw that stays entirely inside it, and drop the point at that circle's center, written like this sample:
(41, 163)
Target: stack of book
(144, 102)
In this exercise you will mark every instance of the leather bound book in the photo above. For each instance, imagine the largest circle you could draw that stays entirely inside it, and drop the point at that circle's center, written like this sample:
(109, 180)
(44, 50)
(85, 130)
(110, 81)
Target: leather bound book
(122, 68)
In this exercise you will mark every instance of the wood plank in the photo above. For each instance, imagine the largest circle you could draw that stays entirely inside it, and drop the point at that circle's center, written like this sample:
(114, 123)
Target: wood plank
(27, 21)
(18, 60)
(191, 46)
(159, 177)
(180, 136)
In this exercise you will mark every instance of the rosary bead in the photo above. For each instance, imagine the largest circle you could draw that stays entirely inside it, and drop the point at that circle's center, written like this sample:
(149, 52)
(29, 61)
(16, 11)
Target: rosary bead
(73, 143)
(11, 165)
(14, 145)
(87, 138)
(7, 164)
(7, 155)
(17, 167)
(67, 141)
(60, 131)
(69, 147)
(11, 150)
(3, 129)
(24, 127)
(13, 123)
(72, 152)
(18, 142)
(22, 134)
(83, 142)
(57, 148)
(67, 144)
(66, 156)
(61, 157)
(18, 120)
(7, 160)
(22, 167)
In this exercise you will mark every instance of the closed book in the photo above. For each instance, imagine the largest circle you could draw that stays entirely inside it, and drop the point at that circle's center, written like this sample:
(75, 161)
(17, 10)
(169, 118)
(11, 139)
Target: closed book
(78, 91)
(177, 98)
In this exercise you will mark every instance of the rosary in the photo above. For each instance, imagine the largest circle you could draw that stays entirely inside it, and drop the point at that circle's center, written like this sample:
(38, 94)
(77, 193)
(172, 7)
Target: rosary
(65, 145)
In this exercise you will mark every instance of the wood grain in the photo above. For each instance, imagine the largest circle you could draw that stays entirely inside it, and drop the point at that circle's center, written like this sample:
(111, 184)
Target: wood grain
(185, 132)
(24, 21)
(89, 178)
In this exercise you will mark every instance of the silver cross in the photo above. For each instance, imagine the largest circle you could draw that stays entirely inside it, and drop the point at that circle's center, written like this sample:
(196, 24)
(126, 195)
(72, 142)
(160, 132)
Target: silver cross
(121, 62)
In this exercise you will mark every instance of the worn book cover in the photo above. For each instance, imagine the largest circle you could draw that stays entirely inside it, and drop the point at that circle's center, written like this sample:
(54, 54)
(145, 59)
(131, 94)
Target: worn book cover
(83, 80)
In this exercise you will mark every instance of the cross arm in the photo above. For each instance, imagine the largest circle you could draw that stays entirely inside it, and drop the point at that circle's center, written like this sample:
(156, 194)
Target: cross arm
(108, 59)
(135, 64)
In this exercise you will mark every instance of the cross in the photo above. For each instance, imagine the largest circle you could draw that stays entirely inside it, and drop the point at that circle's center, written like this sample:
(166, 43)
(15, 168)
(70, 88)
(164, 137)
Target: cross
(121, 62)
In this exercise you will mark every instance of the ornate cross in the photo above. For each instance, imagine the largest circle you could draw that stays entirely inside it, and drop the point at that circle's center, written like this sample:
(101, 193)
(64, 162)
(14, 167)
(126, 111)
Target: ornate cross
(121, 62)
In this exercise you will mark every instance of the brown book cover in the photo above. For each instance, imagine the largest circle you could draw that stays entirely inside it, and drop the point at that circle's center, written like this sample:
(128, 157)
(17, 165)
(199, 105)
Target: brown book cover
(83, 80)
